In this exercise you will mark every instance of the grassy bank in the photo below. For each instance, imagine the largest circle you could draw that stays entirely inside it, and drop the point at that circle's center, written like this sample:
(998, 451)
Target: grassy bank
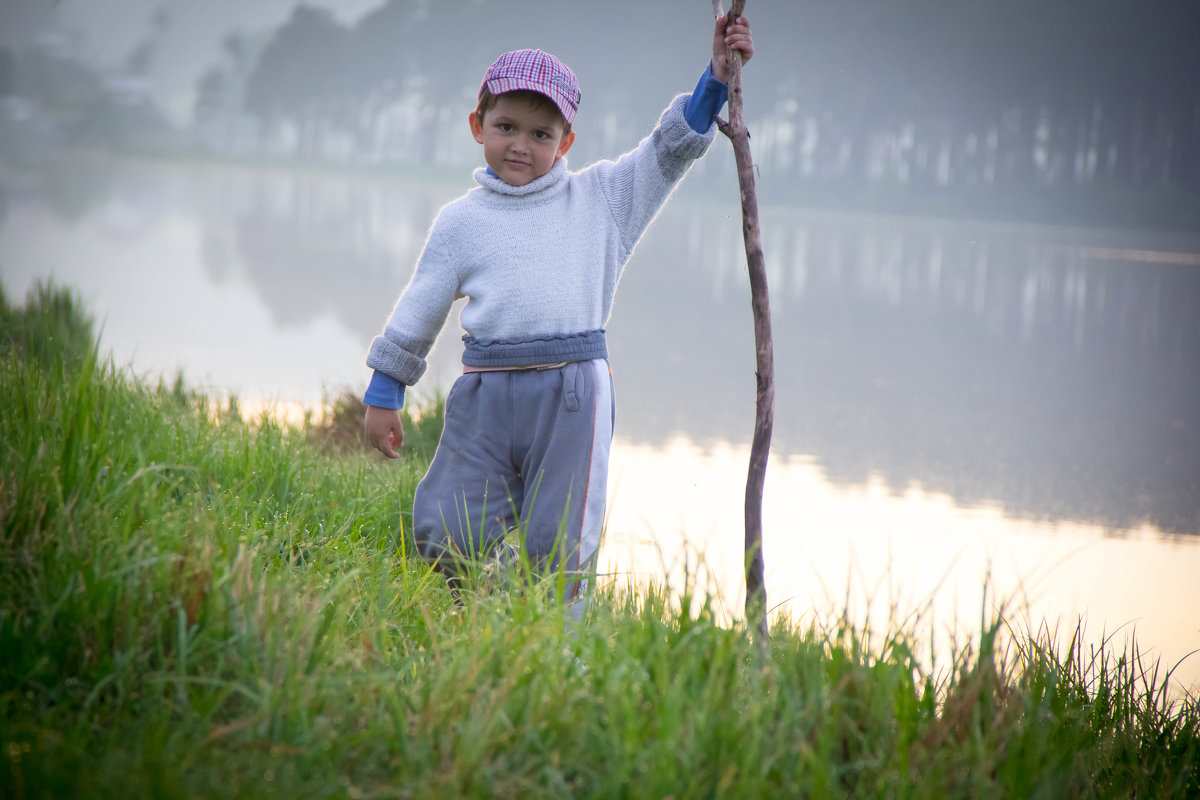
(192, 605)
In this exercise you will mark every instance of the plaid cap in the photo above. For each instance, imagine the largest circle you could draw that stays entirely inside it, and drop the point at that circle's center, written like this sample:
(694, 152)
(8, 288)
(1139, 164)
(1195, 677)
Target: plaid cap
(535, 71)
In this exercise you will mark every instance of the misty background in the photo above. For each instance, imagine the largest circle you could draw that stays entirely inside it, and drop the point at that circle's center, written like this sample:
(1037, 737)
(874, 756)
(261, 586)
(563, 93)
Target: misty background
(1058, 111)
(277, 164)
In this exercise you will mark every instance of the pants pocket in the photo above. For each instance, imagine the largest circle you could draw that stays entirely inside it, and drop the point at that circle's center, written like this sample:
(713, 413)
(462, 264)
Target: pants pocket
(455, 389)
(572, 388)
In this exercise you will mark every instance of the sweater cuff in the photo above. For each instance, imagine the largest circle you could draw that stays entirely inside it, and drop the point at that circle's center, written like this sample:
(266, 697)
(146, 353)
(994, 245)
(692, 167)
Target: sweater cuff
(384, 391)
(401, 364)
(706, 101)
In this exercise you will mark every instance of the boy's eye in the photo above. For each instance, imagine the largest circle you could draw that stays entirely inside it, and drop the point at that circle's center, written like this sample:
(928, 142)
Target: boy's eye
(541, 135)
(504, 126)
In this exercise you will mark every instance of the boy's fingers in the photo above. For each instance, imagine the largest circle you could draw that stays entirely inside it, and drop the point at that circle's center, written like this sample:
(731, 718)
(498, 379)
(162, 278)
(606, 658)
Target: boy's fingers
(739, 31)
(384, 446)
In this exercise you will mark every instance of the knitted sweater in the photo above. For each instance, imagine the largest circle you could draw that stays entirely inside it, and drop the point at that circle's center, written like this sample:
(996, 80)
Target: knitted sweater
(538, 263)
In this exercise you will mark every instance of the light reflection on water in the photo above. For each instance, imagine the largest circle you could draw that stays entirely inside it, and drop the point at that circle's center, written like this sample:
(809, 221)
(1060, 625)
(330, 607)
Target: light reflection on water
(915, 558)
(954, 400)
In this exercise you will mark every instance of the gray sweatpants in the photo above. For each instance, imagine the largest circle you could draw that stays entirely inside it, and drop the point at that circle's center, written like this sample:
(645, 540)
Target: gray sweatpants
(523, 449)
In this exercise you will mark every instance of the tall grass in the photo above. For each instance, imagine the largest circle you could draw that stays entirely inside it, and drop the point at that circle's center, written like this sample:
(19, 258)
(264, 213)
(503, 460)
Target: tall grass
(193, 605)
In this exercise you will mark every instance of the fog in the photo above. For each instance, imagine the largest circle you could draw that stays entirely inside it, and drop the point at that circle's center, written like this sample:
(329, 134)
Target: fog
(1051, 111)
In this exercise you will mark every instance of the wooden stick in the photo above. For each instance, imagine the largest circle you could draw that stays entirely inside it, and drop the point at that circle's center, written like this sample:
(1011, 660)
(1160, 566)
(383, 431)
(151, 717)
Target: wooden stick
(764, 416)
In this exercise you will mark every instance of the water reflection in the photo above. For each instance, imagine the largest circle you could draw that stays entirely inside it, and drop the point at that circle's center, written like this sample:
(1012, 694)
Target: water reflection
(1050, 372)
(988, 363)
(325, 245)
(882, 559)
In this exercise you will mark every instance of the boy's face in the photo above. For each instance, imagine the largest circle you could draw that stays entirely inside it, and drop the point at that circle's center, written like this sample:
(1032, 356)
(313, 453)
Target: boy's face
(521, 141)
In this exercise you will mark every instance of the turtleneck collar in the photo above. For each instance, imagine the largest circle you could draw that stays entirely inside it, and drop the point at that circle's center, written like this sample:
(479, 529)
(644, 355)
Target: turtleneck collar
(488, 180)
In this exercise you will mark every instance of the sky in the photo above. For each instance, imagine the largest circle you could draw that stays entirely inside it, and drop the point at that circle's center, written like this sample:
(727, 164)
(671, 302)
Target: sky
(108, 30)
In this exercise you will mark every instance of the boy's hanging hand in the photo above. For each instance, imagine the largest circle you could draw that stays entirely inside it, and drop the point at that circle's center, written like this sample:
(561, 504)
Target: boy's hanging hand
(383, 431)
(725, 35)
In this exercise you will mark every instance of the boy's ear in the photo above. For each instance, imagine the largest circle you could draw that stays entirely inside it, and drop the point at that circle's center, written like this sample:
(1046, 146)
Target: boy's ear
(476, 127)
(565, 144)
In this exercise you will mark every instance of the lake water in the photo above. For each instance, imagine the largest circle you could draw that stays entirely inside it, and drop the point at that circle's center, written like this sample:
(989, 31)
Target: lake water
(958, 404)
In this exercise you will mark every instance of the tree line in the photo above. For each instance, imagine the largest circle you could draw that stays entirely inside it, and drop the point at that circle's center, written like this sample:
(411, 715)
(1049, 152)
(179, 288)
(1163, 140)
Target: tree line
(1013, 105)
(908, 92)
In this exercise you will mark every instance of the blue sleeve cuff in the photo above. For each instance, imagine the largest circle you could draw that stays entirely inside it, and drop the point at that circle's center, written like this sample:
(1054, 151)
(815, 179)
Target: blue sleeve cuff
(384, 391)
(706, 101)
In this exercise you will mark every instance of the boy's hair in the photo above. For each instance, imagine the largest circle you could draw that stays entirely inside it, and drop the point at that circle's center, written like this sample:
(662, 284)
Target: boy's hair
(487, 101)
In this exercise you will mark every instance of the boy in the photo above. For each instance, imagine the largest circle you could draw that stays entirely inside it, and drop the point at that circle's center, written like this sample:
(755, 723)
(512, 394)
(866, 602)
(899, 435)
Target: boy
(538, 251)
